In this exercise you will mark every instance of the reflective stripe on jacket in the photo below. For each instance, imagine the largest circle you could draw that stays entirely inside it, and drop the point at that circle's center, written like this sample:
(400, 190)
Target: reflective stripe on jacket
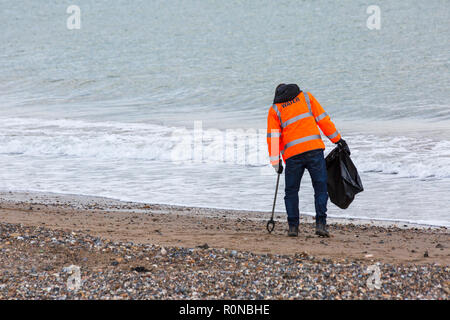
(293, 127)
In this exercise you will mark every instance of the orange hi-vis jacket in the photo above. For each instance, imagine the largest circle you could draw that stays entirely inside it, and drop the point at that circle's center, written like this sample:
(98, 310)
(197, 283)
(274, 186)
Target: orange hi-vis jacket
(293, 127)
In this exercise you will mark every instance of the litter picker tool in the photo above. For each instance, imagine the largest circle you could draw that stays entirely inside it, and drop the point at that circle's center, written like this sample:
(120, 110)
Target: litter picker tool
(271, 223)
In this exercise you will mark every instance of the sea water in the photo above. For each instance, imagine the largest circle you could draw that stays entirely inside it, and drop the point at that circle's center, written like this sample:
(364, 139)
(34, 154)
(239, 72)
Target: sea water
(166, 101)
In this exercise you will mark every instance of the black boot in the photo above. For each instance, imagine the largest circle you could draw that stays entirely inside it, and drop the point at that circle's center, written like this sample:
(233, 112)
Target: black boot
(293, 231)
(321, 230)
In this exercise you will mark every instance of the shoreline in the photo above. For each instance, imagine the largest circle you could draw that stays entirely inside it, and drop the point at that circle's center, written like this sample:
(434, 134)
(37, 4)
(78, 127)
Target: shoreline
(50, 198)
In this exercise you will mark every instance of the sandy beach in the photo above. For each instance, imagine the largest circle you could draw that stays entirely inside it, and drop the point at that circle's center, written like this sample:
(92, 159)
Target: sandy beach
(112, 241)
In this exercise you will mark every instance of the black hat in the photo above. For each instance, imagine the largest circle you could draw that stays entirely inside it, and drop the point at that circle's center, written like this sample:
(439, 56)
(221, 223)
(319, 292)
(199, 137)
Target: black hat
(286, 92)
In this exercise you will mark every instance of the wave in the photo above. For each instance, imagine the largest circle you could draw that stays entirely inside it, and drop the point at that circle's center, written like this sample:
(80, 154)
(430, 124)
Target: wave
(404, 157)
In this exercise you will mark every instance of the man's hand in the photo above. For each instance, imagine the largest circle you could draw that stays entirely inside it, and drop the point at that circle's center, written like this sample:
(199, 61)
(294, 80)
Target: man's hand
(278, 167)
(341, 143)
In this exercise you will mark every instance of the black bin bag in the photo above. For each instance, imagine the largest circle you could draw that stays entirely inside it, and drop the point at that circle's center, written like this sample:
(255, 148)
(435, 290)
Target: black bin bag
(343, 178)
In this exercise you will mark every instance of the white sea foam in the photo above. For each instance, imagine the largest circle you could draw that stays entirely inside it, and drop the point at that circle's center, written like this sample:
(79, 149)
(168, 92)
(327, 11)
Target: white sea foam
(404, 157)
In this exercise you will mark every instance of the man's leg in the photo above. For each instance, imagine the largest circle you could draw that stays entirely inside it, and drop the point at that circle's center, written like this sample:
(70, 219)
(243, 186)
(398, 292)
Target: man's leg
(318, 171)
(293, 175)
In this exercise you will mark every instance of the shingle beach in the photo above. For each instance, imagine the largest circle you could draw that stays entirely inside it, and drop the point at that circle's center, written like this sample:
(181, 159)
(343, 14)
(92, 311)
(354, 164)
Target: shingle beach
(36, 255)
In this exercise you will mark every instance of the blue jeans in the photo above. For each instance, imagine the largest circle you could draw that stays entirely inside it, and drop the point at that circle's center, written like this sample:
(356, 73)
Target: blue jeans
(314, 161)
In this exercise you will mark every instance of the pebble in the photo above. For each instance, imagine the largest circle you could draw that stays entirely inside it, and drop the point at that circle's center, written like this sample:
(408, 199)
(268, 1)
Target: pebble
(119, 270)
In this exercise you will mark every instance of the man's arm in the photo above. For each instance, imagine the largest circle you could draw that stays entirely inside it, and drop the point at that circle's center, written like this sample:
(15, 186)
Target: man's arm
(274, 139)
(323, 120)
